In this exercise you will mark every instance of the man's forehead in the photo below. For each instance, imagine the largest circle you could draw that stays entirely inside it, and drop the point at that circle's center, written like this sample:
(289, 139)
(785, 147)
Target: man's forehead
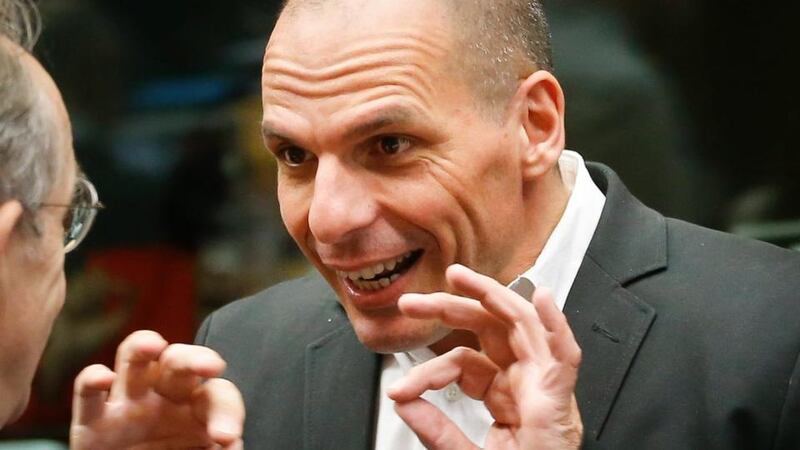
(318, 58)
(314, 27)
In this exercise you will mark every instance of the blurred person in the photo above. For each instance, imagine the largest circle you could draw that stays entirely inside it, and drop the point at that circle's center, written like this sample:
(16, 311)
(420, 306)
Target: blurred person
(158, 395)
(422, 171)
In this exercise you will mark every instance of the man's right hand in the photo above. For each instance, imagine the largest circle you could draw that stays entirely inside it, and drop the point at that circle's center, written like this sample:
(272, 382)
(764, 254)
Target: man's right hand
(525, 376)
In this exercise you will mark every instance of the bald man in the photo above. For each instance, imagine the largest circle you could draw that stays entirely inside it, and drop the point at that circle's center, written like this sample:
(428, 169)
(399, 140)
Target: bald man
(158, 396)
(478, 285)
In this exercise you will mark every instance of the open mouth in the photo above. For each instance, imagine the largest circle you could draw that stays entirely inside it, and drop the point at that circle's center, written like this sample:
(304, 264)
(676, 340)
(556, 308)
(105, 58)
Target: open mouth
(382, 274)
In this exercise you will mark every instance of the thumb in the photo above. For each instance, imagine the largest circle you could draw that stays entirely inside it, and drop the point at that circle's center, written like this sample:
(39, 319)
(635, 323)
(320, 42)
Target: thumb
(433, 428)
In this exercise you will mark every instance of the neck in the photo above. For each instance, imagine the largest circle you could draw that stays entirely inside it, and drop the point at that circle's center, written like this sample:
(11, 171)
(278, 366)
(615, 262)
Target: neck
(544, 203)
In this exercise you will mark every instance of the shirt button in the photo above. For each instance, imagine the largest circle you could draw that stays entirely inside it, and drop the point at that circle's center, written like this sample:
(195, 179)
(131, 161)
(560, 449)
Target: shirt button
(452, 393)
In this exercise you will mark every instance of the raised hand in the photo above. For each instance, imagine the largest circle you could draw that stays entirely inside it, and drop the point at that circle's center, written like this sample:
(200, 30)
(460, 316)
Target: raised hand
(525, 374)
(159, 396)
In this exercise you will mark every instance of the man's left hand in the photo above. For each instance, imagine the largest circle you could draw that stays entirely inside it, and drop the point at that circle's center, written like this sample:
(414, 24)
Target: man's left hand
(159, 396)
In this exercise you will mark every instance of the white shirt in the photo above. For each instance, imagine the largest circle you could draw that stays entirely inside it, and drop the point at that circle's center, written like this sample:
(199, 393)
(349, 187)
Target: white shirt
(555, 268)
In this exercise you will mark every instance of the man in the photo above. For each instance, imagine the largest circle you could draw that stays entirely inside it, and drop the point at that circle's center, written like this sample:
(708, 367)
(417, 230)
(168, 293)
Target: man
(158, 396)
(420, 145)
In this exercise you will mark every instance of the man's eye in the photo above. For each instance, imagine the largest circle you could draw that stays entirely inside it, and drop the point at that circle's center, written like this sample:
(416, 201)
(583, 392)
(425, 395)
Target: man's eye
(392, 145)
(294, 156)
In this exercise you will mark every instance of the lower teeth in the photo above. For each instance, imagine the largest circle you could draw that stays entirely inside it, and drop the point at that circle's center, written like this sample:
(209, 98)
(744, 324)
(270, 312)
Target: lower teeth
(376, 284)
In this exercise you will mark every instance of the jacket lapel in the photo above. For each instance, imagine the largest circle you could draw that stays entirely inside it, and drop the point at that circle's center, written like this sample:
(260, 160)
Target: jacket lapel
(341, 383)
(609, 324)
(608, 320)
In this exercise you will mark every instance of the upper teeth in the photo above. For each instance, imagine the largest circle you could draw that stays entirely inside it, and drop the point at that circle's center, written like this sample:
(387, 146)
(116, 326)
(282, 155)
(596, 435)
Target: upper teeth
(368, 273)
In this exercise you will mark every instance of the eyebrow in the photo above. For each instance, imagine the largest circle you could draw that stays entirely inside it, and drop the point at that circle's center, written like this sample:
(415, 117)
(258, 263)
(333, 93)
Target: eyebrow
(268, 131)
(378, 121)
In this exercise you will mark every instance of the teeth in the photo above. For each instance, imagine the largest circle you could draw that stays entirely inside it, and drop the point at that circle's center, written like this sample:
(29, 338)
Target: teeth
(372, 285)
(360, 278)
(368, 273)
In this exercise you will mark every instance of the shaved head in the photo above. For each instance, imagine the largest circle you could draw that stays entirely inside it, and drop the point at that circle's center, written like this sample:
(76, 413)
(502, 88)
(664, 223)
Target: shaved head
(503, 41)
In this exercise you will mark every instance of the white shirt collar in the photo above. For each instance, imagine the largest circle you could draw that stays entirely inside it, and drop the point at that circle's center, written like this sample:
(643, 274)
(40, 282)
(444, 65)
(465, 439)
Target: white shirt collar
(558, 263)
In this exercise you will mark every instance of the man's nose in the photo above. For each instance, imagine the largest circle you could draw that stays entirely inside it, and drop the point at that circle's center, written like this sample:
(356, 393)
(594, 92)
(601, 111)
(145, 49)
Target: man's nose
(343, 203)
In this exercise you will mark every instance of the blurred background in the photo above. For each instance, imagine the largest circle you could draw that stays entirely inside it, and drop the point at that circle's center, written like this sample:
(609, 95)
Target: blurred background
(692, 102)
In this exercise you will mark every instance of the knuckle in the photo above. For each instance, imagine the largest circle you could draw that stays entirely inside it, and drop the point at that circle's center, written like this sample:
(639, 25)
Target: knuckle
(463, 353)
(171, 354)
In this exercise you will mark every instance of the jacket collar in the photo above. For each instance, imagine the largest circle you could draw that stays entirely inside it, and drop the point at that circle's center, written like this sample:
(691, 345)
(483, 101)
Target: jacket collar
(341, 377)
(609, 321)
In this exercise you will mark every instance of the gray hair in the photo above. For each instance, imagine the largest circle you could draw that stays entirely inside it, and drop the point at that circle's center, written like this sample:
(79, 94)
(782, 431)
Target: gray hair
(505, 41)
(28, 157)
(20, 22)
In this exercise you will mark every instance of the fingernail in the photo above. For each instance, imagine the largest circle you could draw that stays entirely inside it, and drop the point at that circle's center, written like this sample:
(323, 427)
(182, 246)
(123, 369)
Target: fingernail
(393, 389)
(409, 297)
(227, 426)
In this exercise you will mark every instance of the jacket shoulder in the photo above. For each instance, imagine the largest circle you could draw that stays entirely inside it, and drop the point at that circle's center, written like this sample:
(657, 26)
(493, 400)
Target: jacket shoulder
(730, 262)
(285, 316)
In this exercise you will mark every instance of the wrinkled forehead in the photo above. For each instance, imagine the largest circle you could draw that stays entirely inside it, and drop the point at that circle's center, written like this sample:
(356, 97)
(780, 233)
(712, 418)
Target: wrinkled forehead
(337, 19)
(339, 62)
(328, 34)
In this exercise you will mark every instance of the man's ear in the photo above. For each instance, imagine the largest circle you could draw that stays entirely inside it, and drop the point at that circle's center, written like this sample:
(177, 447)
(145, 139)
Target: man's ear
(541, 106)
(10, 213)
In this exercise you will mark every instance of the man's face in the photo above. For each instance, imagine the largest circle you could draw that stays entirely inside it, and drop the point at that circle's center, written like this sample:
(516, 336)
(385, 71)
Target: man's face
(389, 173)
(32, 285)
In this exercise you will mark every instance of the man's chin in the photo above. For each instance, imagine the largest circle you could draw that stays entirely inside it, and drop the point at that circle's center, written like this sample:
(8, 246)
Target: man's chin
(399, 336)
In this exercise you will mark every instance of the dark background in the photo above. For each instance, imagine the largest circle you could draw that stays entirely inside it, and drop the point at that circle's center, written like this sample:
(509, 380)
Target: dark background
(694, 103)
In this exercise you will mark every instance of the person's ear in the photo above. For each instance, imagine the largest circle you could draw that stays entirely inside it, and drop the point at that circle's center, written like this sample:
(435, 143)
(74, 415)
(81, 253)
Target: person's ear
(541, 106)
(10, 213)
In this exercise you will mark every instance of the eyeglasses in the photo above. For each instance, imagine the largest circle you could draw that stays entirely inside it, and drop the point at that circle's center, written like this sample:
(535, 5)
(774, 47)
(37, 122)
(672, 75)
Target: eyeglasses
(81, 213)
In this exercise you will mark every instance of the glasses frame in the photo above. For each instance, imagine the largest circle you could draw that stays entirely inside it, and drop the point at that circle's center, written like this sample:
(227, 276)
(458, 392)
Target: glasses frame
(72, 238)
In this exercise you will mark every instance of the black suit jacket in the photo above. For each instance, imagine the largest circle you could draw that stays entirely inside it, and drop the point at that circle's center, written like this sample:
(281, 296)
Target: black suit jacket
(690, 340)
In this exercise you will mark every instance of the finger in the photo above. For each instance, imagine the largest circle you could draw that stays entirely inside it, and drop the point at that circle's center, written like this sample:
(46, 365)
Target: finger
(235, 445)
(90, 394)
(453, 311)
(526, 333)
(135, 358)
(473, 372)
(219, 404)
(434, 429)
(477, 376)
(499, 300)
(182, 369)
(464, 314)
(561, 340)
(549, 314)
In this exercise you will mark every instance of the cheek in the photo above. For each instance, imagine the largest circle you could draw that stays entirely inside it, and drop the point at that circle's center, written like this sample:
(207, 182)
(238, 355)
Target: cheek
(53, 280)
(467, 202)
(437, 201)
(294, 212)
